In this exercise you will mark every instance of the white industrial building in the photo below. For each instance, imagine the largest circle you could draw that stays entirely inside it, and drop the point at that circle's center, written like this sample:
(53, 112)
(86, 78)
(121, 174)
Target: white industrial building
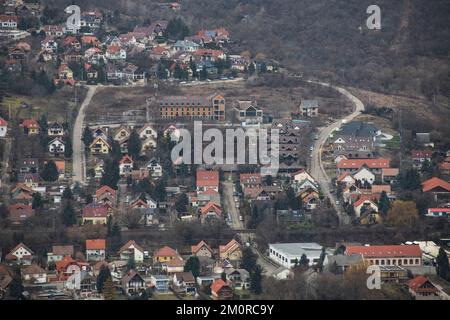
(287, 254)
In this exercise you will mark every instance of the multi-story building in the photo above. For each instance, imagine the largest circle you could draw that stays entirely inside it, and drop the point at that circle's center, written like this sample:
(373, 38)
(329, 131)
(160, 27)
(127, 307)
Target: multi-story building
(400, 255)
(192, 107)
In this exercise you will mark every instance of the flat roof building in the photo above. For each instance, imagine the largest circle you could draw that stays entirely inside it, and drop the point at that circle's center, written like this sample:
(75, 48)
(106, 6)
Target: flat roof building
(287, 254)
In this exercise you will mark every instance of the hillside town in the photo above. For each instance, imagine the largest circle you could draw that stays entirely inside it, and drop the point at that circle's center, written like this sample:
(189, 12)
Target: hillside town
(94, 207)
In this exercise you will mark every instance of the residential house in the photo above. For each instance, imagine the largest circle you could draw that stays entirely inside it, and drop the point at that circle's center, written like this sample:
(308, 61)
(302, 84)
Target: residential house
(220, 290)
(55, 130)
(346, 179)
(99, 146)
(121, 133)
(147, 145)
(20, 212)
(148, 131)
(184, 282)
(250, 180)
(30, 127)
(185, 46)
(126, 165)
(438, 212)
(439, 188)
(389, 175)
(202, 250)
(419, 157)
(96, 249)
(363, 205)
(389, 255)
(444, 166)
(20, 254)
(210, 211)
(421, 288)
(155, 168)
(8, 22)
(238, 278)
(133, 283)
(59, 252)
(53, 31)
(353, 165)
(131, 250)
(309, 108)
(364, 176)
(207, 180)
(116, 53)
(99, 170)
(174, 265)
(160, 283)
(91, 19)
(31, 180)
(34, 274)
(49, 44)
(231, 251)
(65, 75)
(106, 195)
(203, 198)
(158, 53)
(95, 213)
(22, 193)
(56, 147)
(3, 127)
(165, 254)
(89, 41)
(248, 112)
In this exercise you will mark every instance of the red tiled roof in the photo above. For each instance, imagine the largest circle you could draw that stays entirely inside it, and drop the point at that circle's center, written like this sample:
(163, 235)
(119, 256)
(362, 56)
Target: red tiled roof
(386, 251)
(126, 159)
(434, 183)
(5, 17)
(200, 245)
(421, 153)
(208, 52)
(95, 211)
(165, 251)
(358, 163)
(250, 178)
(175, 262)
(232, 244)
(211, 206)
(217, 285)
(19, 212)
(390, 172)
(113, 49)
(96, 244)
(103, 189)
(361, 200)
(416, 284)
(343, 176)
(381, 188)
(207, 178)
(444, 165)
(30, 123)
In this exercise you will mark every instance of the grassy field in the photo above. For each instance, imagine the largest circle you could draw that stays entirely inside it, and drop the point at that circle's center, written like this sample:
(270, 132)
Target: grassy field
(61, 106)
(110, 103)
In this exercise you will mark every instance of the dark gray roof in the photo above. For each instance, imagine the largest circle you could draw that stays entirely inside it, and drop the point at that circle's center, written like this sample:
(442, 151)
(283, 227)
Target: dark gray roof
(309, 104)
(358, 129)
(345, 260)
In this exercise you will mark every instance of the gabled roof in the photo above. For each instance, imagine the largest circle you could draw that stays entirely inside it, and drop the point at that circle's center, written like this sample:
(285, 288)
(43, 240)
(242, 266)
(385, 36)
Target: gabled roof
(207, 178)
(33, 269)
(362, 200)
(96, 244)
(30, 123)
(130, 243)
(421, 153)
(99, 138)
(380, 188)
(434, 183)
(232, 245)
(386, 251)
(175, 262)
(344, 175)
(95, 211)
(417, 283)
(63, 250)
(165, 251)
(104, 189)
(126, 159)
(358, 163)
(390, 172)
(3, 122)
(200, 245)
(211, 206)
(22, 245)
(218, 285)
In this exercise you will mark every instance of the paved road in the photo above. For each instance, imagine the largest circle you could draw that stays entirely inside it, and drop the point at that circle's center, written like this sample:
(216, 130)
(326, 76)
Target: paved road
(230, 206)
(78, 157)
(317, 169)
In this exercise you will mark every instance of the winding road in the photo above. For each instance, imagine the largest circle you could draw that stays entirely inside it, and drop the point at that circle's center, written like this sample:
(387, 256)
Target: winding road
(78, 156)
(317, 169)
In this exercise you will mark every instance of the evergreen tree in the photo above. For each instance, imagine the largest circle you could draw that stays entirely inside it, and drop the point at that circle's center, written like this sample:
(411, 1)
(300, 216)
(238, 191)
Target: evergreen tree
(87, 137)
(384, 203)
(256, 279)
(43, 123)
(68, 151)
(193, 67)
(181, 203)
(134, 145)
(67, 194)
(176, 29)
(50, 171)
(160, 191)
(68, 215)
(442, 265)
(103, 275)
(203, 73)
(304, 261)
(131, 264)
(193, 265)
(109, 292)
(248, 259)
(111, 175)
(37, 201)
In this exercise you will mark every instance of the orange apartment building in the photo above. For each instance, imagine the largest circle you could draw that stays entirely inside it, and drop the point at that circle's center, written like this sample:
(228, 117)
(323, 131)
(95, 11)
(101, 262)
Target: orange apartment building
(192, 107)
